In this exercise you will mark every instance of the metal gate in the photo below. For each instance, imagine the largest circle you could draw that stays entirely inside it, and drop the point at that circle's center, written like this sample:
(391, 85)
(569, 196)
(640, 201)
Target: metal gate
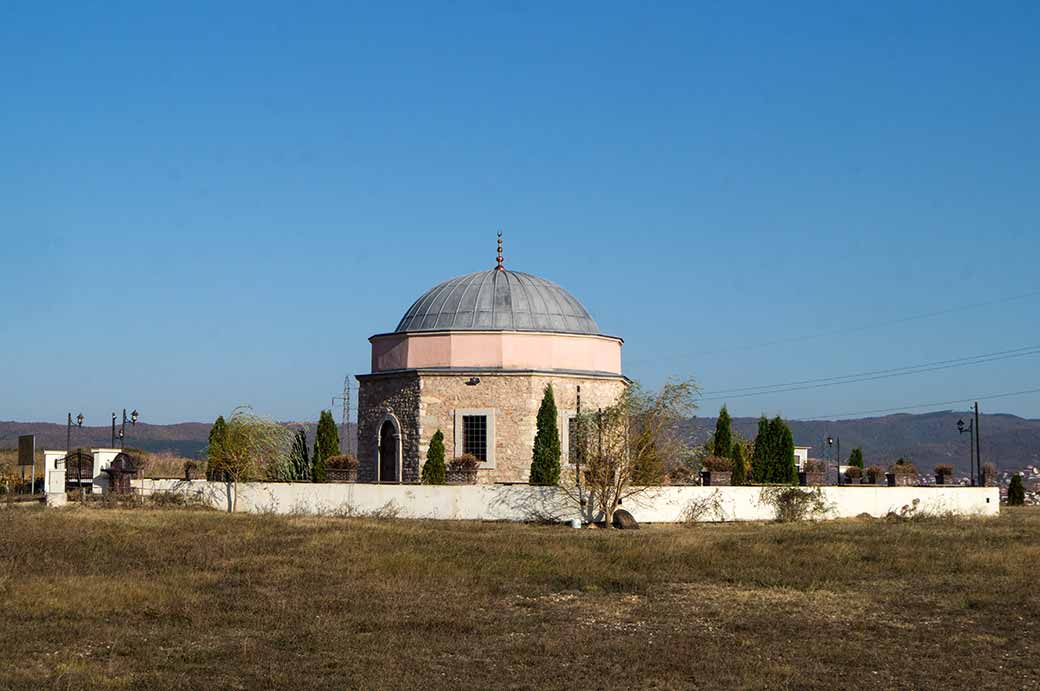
(79, 469)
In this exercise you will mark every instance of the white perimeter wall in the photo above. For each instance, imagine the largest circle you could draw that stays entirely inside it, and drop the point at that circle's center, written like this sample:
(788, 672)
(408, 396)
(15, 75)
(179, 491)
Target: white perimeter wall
(522, 502)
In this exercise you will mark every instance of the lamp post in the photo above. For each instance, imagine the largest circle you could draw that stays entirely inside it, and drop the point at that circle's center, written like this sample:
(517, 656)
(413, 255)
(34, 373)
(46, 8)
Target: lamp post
(68, 444)
(68, 432)
(122, 430)
(837, 456)
(970, 429)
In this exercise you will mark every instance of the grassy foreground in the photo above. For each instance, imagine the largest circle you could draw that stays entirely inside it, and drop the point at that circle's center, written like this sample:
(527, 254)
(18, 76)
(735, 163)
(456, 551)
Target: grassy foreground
(173, 599)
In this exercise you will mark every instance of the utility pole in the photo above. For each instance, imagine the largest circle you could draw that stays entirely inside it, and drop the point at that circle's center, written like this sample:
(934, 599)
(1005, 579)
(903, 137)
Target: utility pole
(345, 421)
(346, 413)
(978, 451)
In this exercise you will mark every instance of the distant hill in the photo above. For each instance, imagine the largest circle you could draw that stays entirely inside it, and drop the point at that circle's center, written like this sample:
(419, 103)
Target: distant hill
(187, 439)
(1009, 441)
(927, 439)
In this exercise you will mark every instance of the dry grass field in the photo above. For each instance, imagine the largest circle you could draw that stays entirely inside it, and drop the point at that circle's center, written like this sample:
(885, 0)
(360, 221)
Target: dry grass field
(177, 598)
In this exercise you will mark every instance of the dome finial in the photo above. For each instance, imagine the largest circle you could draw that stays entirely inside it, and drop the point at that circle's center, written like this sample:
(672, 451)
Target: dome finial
(499, 267)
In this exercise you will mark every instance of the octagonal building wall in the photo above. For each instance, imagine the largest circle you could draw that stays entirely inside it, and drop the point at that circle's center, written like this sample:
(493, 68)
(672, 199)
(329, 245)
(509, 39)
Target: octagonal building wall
(511, 350)
(425, 401)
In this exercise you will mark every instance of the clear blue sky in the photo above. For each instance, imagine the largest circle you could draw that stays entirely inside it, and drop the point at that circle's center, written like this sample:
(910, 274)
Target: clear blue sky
(209, 204)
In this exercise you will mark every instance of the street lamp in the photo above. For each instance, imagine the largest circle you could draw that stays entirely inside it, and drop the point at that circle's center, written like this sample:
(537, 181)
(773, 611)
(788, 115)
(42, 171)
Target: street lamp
(122, 430)
(68, 432)
(837, 456)
(970, 429)
(68, 449)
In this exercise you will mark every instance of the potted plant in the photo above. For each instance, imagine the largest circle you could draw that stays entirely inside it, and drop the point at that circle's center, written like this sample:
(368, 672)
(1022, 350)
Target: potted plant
(191, 470)
(716, 470)
(944, 474)
(874, 475)
(853, 475)
(989, 474)
(814, 472)
(901, 474)
(462, 470)
(342, 468)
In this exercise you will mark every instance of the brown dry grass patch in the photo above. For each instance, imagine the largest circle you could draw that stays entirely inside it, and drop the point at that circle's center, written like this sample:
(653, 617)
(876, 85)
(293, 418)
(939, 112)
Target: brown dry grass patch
(196, 599)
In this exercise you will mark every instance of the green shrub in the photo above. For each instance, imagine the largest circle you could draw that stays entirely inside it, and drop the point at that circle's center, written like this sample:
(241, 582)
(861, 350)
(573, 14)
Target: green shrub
(794, 504)
(326, 445)
(217, 437)
(740, 470)
(433, 470)
(545, 456)
(1016, 492)
(856, 458)
(299, 459)
(723, 440)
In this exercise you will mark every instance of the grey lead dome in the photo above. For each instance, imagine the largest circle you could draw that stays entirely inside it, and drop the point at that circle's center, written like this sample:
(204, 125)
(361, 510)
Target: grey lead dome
(498, 299)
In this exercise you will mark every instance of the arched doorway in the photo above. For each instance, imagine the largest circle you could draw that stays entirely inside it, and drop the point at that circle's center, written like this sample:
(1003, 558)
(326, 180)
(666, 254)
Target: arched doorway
(389, 458)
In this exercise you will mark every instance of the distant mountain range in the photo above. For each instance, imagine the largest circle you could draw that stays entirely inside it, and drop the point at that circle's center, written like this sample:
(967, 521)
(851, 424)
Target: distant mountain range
(188, 439)
(1009, 441)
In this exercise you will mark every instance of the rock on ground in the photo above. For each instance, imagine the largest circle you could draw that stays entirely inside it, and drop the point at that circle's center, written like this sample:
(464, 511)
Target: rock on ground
(623, 520)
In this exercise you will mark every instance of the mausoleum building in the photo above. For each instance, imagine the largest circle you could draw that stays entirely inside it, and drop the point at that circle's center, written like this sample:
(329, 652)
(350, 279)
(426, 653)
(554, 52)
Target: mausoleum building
(471, 358)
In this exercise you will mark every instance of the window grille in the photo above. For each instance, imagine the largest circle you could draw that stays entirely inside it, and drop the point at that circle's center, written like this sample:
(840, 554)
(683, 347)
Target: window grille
(474, 436)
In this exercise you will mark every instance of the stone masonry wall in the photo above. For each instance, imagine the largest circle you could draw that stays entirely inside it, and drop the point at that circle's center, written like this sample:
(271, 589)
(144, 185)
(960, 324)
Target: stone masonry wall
(398, 395)
(515, 399)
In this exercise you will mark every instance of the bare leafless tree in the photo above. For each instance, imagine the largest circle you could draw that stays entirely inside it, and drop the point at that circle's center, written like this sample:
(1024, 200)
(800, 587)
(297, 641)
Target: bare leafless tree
(623, 449)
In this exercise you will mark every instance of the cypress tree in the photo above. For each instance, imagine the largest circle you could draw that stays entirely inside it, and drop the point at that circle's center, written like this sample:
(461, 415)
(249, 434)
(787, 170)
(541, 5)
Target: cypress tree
(1016, 491)
(760, 455)
(786, 469)
(299, 461)
(545, 456)
(217, 435)
(723, 434)
(739, 475)
(326, 445)
(856, 458)
(433, 471)
(318, 473)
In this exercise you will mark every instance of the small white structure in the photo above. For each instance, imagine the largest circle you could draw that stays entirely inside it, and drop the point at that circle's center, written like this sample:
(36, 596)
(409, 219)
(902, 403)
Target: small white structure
(801, 455)
(55, 471)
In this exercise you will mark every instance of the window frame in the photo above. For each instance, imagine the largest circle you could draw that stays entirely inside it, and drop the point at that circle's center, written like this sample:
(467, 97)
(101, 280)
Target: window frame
(458, 437)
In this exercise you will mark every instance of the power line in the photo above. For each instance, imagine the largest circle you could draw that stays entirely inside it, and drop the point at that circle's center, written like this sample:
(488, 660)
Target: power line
(853, 329)
(925, 405)
(870, 375)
